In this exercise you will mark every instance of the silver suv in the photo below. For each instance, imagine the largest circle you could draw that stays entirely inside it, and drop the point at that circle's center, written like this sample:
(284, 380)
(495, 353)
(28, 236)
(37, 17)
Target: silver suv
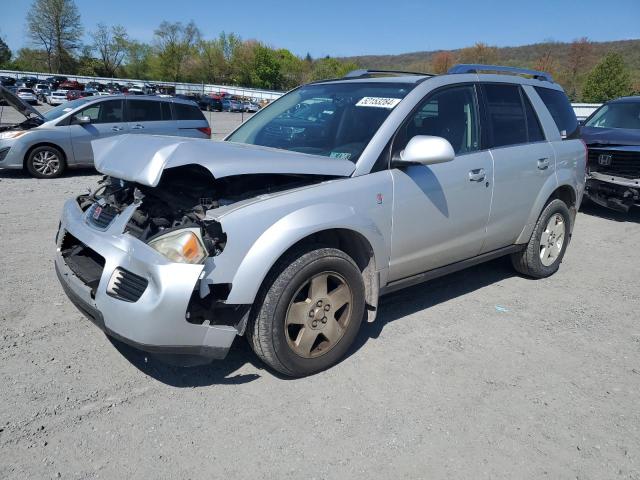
(45, 144)
(337, 193)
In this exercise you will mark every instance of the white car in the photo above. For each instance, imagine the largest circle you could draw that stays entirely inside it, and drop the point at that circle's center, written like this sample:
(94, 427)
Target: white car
(28, 95)
(56, 98)
(101, 94)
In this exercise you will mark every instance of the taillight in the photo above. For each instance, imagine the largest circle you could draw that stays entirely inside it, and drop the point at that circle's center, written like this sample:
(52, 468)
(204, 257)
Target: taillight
(206, 131)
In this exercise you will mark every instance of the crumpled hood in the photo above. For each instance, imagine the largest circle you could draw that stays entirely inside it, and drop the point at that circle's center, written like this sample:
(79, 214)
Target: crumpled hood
(20, 105)
(143, 158)
(610, 136)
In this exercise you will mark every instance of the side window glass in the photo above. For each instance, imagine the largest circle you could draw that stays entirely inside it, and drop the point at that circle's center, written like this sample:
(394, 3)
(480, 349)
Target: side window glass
(534, 130)
(450, 114)
(166, 111)
(93, 112)
(506, 115)
(144, 111)
(110, 111)
(560, 109)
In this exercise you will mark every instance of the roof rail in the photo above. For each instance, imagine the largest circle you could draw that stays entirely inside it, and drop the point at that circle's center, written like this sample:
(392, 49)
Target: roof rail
(370, 73)
(477, 68)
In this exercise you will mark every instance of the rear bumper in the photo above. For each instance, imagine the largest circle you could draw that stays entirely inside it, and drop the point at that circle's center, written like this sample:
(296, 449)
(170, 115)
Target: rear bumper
(156, 322)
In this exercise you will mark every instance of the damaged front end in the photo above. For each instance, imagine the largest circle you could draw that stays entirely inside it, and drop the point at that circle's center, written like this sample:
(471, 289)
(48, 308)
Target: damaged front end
(613, 177)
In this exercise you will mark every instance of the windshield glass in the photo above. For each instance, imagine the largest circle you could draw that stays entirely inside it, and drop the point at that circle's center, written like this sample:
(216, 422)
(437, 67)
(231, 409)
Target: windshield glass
(617, 115)
(333, 120)
(64, 108)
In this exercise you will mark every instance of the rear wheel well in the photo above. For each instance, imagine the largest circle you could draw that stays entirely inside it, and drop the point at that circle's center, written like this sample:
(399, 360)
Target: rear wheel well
(42, 144)
(358, 248)
(566, 194)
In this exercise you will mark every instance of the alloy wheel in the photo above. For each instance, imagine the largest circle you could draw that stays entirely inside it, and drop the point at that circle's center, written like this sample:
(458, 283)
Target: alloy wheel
(552, 240)
(46, 163)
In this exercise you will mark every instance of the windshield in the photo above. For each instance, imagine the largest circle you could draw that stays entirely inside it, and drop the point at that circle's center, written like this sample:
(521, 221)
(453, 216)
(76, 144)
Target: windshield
(330, 119)
(64, 108)
(617, 115)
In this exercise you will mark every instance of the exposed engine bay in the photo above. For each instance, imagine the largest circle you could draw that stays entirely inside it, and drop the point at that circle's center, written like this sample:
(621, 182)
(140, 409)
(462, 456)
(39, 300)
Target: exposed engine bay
(182, 199)
(28, 124)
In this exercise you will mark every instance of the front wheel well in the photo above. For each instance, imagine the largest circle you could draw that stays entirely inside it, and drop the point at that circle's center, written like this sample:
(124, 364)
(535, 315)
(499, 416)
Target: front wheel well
(42, 144)
(358, 248)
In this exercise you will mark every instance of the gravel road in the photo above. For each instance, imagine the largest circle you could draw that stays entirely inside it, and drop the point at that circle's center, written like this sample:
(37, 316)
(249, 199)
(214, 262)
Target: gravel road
(480, 374)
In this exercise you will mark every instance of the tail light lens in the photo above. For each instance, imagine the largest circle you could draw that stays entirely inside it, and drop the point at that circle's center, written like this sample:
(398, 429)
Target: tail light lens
(206, 131)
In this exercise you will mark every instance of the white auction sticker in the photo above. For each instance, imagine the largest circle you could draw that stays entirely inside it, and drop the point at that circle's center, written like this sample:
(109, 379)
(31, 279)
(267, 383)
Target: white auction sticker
(379, 102)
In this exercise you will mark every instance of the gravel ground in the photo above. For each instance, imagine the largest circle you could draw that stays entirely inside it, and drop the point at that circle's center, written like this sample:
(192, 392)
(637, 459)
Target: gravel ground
(480, 374)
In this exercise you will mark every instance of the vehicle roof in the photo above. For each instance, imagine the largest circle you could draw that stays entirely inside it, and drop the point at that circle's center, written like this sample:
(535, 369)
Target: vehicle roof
(141, 97)
(630, 99)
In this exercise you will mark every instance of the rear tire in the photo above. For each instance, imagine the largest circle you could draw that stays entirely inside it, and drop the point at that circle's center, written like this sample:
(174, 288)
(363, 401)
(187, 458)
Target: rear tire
(309, 311)
(546, 247)
(46, 162)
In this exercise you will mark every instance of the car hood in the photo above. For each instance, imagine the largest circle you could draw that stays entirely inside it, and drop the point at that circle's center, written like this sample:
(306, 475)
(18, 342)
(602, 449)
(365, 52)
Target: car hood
(610, 136)
(143, 158)
(16, 102)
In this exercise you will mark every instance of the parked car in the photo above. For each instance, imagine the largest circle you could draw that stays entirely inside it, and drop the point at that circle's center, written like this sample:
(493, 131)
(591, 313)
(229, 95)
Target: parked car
(55, 81)
(27, 82)
(612, 134)
(250, 107)
(7, 81)
(27, 95)
(70, 85)
(95, 86)
(57, 98)
(48, 143)
(42, 91)
(210, 104)
(284, 230)
(231, 105)
(74, 94)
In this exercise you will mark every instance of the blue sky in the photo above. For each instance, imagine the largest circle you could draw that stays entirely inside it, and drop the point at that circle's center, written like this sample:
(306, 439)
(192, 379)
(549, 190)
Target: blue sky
(356, 27)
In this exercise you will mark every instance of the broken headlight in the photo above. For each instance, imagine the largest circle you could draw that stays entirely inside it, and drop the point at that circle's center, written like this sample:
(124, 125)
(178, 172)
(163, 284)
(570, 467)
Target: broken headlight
(182, 246)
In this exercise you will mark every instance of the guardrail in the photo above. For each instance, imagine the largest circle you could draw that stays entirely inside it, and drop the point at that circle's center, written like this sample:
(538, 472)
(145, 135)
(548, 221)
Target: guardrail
(203, 88)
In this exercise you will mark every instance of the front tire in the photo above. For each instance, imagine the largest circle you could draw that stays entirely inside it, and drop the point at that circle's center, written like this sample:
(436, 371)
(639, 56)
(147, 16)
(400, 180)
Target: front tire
(309, 312)
(546, 248)
(46, 162)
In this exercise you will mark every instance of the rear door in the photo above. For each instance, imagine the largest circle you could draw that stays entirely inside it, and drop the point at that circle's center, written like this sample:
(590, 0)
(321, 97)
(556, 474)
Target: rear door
(190, 121)
(523, 160)
(107, 119)
(150, 116)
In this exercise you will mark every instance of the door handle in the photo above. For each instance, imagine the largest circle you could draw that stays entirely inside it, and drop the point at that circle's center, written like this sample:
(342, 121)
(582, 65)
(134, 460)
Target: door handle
(116, 129)
(477, 175)
(137, 127)
(543, 163)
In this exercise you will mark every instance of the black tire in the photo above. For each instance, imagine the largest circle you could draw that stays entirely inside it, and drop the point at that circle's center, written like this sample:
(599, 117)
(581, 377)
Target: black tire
(35, 156)
(528, 261)
(266, 330)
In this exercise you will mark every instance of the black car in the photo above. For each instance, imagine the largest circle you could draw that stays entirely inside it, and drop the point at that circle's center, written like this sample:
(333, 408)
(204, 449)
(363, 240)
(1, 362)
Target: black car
(210, 104)
(55, 81)
(7, 81)
(612, 135)
(28, 82)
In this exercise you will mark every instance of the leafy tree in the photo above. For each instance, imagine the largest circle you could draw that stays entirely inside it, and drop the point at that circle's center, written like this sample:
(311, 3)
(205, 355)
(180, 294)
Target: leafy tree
(175, 42)
(5, 53)
(138, 60)
(331, 68)
(30, 60)
(546, 60)
(442, 62)
(479, 53)
(111, 45)
(609, 79)
(293, 70)
(578, 62)
(55, 26)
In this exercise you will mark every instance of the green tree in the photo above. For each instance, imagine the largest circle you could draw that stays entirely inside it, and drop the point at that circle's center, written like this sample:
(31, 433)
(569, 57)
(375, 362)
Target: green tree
(30, 60)
(138, 60)
(609, 79)
(55, 26)
(5, 53)
(174, 43)
(111, 45)
(331, 68)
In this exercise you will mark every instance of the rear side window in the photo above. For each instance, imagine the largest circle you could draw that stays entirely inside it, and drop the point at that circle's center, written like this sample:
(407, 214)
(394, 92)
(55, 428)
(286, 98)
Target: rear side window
(560, 109)
(506, 114)
(534, 130)
(143, 111)
(187, 112)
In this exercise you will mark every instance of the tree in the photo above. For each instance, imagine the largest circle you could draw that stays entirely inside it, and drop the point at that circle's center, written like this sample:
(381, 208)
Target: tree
(55, 25)
(5, 53)
(174, 43)
(579, 60)
(30, 60)
(138, 59)
(609, 79)
(442, 62)
(546, 60)
(111, 45)
(479, 53)
(293, 70)
(331, 68)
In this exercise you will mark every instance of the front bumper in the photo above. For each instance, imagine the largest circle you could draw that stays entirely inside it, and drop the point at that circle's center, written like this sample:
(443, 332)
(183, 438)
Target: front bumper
(617, 193)
(156, 322)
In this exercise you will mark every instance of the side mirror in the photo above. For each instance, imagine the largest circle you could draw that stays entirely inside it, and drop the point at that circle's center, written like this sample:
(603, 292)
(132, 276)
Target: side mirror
(427, 150)
(84, 120)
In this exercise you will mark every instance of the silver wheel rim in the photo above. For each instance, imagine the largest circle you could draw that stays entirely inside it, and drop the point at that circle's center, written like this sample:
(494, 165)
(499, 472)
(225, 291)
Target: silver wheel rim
(318, 315)
(552, 240)
(46, 163)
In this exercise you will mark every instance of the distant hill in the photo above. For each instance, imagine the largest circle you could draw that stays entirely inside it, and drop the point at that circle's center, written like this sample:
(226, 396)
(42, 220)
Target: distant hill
(523, 56)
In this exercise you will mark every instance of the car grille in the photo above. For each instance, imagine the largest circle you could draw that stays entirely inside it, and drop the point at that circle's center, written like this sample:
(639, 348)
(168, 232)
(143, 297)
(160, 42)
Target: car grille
(3, 153)
(126, 286)
(101, 216)
(85, 262)
(622, 164)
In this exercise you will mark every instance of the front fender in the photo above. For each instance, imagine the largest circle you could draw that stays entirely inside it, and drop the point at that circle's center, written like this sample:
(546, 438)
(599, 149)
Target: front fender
(289, 230)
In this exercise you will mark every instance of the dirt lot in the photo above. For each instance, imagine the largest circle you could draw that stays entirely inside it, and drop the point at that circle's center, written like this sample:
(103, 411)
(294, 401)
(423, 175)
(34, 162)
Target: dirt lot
(481, 374)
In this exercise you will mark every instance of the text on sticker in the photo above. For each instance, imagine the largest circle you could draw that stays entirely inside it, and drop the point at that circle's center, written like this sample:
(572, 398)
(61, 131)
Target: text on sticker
(379, 102)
